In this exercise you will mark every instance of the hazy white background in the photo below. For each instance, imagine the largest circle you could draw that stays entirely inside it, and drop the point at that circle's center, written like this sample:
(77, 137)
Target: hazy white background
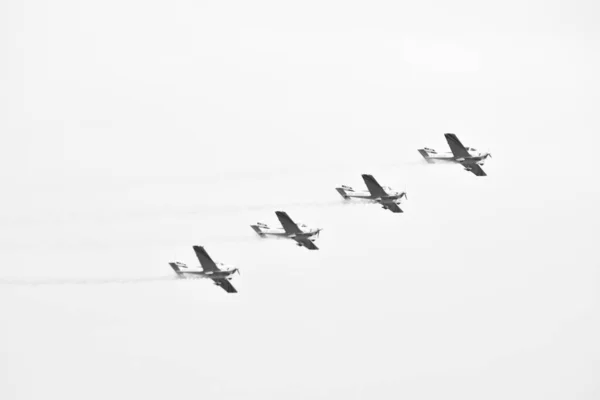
(132, 130)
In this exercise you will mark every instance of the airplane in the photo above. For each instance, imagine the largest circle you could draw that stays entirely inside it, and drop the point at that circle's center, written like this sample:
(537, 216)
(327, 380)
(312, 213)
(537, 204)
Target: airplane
(210, 270)
(468, 157)
(386, 196)
(302, 234)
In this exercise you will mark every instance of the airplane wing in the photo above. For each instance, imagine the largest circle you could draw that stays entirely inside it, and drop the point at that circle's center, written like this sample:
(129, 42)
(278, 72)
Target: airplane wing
(307, 243)
(206, 262)
(374, 187)
(288, 225)
(393, 207)
(226, 285)
(456, 146)
(476, 169)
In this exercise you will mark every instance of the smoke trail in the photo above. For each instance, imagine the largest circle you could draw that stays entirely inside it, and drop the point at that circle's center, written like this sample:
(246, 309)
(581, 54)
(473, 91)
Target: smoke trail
(83, 281)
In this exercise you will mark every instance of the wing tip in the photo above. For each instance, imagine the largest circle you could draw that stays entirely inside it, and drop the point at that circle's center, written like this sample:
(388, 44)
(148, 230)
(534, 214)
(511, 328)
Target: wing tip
(282, 214)
(452, 137)
(226, 286)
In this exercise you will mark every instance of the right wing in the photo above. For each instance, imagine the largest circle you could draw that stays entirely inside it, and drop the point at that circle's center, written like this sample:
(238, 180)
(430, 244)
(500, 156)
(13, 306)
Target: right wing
(476, 169)
(288, 225)
(307, 243)
(456, 146)
(208, 265)
(374, 187)
(393, 207)
(225, 284)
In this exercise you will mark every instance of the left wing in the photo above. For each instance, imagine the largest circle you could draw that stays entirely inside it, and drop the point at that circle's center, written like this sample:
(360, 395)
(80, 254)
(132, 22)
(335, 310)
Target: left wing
(307, 243)
(476, 169)
(225, 284)
(208, 265)
(456, 146)
(374, 187)
(288, 225)
(392, 206)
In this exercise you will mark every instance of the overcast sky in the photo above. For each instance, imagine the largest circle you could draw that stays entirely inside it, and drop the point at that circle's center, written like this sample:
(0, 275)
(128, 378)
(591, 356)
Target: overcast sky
(133, 130)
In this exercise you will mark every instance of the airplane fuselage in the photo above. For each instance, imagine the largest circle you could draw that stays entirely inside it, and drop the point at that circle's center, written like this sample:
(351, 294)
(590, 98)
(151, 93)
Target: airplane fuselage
(347, 193)
(476, 157)
(368, 196)
(265, 230)
(225, 273)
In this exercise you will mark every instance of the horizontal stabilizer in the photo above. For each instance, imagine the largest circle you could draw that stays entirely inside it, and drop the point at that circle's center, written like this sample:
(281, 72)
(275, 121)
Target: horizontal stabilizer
(257, 229)
(342, 192)
(175, 267)
(426, 156)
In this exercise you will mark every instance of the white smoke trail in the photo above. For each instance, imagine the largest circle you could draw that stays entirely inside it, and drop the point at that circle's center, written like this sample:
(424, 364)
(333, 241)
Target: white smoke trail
(83, 281)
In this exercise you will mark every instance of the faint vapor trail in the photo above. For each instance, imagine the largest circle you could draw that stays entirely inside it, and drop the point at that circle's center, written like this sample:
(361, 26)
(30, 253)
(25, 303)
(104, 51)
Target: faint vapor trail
(212, 208)
(88, 281)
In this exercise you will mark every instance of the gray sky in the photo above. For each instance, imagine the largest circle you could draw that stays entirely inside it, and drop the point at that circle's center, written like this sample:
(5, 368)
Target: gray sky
(133, 130)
